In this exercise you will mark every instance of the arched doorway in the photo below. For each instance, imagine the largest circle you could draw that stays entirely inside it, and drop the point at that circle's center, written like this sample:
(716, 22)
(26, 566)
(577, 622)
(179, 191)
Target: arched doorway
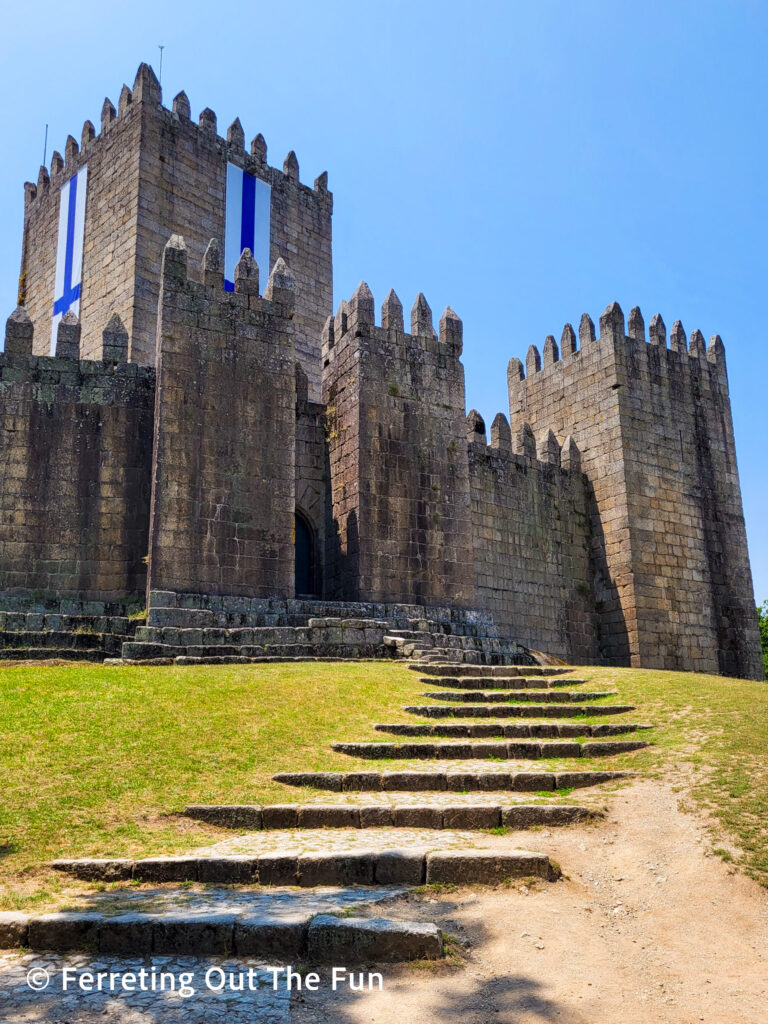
(305, 558)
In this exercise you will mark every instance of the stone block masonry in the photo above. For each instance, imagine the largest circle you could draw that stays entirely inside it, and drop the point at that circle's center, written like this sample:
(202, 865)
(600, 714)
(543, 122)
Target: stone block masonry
(398, 457)
(153, 172)
(223, 474)
(672, 581)
(75, 464)
(298, 458)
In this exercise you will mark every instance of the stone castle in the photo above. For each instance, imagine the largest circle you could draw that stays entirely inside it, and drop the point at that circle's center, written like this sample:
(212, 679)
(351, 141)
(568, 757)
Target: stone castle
(214, 441)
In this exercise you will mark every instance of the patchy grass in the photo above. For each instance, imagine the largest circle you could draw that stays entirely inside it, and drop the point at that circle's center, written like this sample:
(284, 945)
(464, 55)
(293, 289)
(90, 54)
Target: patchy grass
(98, 761)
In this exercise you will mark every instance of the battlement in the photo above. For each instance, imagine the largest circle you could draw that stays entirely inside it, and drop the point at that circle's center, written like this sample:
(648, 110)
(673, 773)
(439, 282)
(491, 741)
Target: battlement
(523, 448)
(356, 318)
(632, 337)
(146, 90)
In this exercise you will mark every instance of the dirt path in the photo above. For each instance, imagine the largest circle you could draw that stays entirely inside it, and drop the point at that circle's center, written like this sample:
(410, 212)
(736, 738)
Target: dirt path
(646, 926)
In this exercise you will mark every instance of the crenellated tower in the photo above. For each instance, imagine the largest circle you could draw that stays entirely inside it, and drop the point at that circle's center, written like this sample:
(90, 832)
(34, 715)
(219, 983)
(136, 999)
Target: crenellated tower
(653, 425)
(149, 173)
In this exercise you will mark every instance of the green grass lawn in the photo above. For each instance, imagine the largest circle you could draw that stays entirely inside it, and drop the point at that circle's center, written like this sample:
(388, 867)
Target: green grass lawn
(97, 760)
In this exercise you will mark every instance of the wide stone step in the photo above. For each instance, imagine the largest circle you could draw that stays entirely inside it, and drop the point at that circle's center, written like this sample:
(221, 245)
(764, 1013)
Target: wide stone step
(321, 938)
(36, 622)
(515, 730)
(499, 683)
(494, 670)
(503, 697)
(522, 749)
(516, 710)
(51, 638)
(386, 867)
(441, 781)
(50, 653)
(252, 817)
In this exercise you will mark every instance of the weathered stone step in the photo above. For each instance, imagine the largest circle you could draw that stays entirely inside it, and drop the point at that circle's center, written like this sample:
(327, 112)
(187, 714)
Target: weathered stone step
(51, 638)
(452, 781)
(499, 683)
(385, 867)
(322, 938)
(38, 622)
(509, 671)
(252, 817)
(50, 653)
(522, 749)
(515, 730)
(516, 710)
(504, 697)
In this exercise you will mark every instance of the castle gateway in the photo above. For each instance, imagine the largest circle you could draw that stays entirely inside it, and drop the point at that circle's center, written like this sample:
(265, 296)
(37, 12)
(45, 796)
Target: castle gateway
(184, 422)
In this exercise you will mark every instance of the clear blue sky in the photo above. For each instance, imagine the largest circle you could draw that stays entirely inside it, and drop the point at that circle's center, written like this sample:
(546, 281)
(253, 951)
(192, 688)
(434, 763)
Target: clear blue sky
(522, 162)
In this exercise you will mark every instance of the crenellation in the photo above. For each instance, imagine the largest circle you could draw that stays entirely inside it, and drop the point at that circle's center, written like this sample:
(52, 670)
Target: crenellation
(291, 167)
(677, 338)
(236, 135)
(392, 313)
(181, 106)
(501, 435)
(124, 101)
(658, 331)
(108, 114)
(551, 354)
(207, 121)
(697, 346)
(568, 344)
(625, 545)
(586, 330)
(421, 318)
(636, 324)
(532, 361)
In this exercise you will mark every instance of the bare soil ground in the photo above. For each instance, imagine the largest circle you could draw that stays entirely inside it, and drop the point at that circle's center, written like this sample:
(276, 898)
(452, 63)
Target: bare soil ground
(647, 925)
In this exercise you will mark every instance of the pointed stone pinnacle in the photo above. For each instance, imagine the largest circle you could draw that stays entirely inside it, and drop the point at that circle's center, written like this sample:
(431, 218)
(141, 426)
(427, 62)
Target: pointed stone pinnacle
(281, 288)
(551, 354)
(697, 346)
(114, 341)
(548, 450)
(360, 306)
(636, 324)
(207, 120)
(181, 105)
(677, 339)
(475, 428)
(68, 337)
(392, 312)
(586, 330)
(501, 435)
(532, 361)
(568, 341)
(259, 148)
(18, 333)
(658, 331)
(213, 274)
(247, 274)
(291, 166)
(236, 135)
(421, 318)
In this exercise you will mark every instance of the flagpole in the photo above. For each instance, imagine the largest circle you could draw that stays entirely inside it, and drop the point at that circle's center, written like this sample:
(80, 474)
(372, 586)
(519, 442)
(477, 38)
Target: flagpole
(160, 76)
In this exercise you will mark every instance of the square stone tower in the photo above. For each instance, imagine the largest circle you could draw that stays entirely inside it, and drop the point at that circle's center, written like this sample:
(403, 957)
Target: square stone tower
(151, 173)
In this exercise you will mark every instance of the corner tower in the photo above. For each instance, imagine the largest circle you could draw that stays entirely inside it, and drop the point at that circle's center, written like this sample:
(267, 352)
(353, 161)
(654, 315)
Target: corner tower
(97, 221)
(671, 574)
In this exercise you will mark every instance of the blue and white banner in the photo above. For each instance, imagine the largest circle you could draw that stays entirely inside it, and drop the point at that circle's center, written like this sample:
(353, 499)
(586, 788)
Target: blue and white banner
(247, 223)
(69, 250)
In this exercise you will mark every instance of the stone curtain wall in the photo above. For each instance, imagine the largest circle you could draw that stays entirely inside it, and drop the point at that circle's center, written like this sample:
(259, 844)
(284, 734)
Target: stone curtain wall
(111, 212)
(75, 464)
(400, 483)
(223, 470)
(653, 428)
(531, 536)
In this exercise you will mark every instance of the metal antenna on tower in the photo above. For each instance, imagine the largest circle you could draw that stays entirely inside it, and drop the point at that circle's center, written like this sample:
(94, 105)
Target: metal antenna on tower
(160, 76)
(45, 145)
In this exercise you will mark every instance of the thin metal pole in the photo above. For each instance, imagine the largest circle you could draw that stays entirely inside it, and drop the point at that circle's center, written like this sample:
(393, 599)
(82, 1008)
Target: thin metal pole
(160, 77)
(45, 145)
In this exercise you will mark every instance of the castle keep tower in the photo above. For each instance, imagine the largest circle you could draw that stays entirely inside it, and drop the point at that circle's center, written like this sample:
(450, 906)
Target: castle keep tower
(151, 173)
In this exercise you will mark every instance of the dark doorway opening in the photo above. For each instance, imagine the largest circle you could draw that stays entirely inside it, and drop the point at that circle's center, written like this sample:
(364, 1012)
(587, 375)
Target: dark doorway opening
(306, 561)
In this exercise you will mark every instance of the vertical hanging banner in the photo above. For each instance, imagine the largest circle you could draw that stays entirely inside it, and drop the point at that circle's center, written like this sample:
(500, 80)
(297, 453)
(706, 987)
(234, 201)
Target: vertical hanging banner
(247, 223)
(69, 250)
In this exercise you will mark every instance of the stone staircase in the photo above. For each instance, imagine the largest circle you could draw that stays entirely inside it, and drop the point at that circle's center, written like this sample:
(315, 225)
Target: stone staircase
(419, 826)
(194, 629)
(36, 636)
